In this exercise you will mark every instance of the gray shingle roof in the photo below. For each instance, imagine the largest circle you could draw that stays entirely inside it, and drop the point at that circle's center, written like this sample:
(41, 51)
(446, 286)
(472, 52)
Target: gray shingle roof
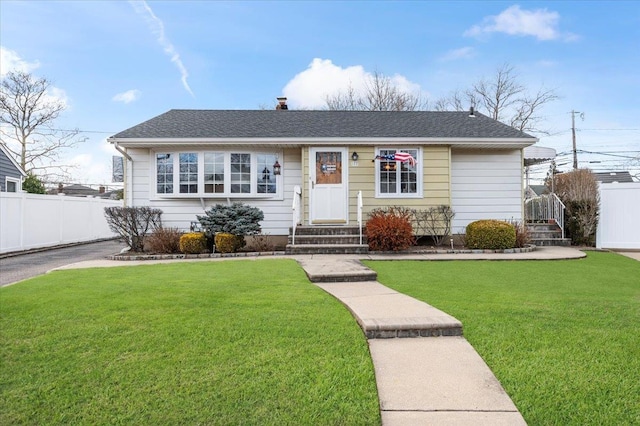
(610, 177)
(179, 123)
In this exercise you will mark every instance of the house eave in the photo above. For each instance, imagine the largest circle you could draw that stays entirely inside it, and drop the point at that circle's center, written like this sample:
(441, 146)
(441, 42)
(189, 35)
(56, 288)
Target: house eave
(482, 143)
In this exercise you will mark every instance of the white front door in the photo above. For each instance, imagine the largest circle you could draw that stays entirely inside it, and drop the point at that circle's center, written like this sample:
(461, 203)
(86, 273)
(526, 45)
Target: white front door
(328, 184)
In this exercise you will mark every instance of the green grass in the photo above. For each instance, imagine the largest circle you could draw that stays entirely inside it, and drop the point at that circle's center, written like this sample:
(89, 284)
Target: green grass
(238, 342)
(563, 337)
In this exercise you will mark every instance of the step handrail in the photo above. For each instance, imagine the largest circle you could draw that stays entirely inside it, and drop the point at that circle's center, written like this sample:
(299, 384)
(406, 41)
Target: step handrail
(295, 207)
(360, 214)
(546, 207)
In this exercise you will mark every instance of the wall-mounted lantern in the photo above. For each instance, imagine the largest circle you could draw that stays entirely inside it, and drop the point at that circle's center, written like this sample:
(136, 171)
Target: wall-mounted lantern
(277, 168)
(355, 156)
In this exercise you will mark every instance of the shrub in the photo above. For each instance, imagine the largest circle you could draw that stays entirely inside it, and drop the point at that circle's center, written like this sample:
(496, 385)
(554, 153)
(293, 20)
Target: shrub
(434, 222)
(237, 219)
(228, 243)
(579, 192)
(164, 240)
(133, 223)
(193, 243)
(33, 185)
(390, 229)
(261, 242)
(522, 233)
(490, 234)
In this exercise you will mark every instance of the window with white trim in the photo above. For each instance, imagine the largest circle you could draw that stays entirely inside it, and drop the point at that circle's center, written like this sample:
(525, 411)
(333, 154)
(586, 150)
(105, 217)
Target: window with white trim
(164, 173)
(188, 173)
(11, 184)
(214, 172)
(240, 173)
(217, 174)
(266, 180)
(396, 178)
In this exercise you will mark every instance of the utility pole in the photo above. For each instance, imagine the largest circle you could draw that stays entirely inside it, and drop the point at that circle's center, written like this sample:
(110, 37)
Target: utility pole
(573, 133)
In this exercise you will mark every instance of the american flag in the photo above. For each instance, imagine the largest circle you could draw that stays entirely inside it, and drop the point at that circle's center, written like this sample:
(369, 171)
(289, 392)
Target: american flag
(403, 157)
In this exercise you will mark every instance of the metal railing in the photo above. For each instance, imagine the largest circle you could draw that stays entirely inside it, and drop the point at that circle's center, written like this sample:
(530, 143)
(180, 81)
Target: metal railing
(295, 207)
(545, 208)
(360, 214)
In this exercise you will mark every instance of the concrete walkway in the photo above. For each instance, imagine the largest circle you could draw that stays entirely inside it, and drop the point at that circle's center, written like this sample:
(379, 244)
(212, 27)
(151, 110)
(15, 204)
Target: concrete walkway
(421, 380)
(426, 372)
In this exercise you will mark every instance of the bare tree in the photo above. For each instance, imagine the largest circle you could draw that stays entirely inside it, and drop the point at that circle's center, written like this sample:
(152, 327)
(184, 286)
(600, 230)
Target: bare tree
(503, 98)
(27, 115)
(380, 93)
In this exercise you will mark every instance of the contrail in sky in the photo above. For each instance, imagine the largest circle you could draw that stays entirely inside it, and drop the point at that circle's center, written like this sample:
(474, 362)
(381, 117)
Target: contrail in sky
(157, 27)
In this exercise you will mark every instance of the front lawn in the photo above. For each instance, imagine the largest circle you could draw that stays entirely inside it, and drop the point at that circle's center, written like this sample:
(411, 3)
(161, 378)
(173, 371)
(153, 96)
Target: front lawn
(563, 337)
(237, 342)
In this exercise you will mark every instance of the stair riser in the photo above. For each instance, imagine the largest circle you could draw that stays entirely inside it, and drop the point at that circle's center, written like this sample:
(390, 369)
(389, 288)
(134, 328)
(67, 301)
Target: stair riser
(558, 242)
(539, 235)
(326, 239)
(326, 230)
(312, 249)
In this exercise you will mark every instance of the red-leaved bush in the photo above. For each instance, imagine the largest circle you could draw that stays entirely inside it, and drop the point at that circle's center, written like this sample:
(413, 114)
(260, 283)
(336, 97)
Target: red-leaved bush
(390, 229)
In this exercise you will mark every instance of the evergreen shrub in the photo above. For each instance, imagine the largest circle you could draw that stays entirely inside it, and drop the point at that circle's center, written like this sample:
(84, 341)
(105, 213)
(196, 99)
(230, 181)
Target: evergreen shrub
(193, 243)
(490, 235)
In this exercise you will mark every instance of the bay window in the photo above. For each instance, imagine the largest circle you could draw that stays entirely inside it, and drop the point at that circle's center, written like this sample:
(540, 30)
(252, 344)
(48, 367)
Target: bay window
(216, 173)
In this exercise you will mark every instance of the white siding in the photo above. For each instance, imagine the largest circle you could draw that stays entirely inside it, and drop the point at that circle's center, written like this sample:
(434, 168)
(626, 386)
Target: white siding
(180, 212)
(485, 185)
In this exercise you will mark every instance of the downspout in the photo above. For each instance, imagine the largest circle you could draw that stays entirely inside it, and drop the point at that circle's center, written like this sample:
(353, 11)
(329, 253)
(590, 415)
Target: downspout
(128, 157)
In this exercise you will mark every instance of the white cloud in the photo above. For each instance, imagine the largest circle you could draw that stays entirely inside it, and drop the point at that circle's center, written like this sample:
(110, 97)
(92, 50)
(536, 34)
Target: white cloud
(539, 23)
(157, 28)
(11, 61)
(310, 88)
(462, 53)
(128, 96)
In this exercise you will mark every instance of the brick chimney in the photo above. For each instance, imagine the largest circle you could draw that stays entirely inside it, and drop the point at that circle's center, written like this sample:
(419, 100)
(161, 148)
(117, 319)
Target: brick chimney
(282, 103)
(101, 190)
(60, 188)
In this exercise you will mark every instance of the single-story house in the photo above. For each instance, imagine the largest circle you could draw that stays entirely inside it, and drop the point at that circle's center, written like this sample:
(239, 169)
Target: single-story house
(11, 174)
(185, 161)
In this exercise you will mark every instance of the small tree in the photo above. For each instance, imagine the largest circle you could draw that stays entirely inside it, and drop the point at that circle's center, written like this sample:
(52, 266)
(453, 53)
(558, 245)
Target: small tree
(504, 98)
(434, 222)
(579, 192)
(28, 111)
(133, 223)
(380, 93)
(237, 219)
(33, 185)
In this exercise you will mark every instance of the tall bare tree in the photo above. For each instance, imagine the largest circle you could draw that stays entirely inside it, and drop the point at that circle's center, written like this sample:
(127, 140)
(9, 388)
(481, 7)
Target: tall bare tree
(380, 93)
(27, 115)
(503, 98)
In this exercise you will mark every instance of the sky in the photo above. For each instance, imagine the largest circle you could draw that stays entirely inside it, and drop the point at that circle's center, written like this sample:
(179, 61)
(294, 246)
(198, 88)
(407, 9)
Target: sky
(118, 63)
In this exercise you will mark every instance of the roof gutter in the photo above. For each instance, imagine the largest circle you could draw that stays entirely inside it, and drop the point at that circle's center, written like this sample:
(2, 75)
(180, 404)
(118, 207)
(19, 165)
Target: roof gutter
(120, 150)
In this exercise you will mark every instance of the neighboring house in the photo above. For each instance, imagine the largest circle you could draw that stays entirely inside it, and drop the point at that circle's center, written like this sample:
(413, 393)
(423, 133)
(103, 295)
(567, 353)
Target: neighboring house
(185, 161)
(77, 190)
(11, 174)
(613, 177)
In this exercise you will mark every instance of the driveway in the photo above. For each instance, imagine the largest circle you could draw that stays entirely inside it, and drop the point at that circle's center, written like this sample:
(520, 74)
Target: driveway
(23, 266)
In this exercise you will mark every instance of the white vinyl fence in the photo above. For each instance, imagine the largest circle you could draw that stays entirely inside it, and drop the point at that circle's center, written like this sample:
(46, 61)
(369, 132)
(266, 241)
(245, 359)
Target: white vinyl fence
(30, 221)
(619, 223)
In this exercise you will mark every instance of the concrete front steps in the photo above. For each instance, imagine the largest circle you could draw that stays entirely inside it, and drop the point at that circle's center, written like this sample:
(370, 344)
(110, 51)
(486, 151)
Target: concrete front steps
(547, 234)
(326, 240)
